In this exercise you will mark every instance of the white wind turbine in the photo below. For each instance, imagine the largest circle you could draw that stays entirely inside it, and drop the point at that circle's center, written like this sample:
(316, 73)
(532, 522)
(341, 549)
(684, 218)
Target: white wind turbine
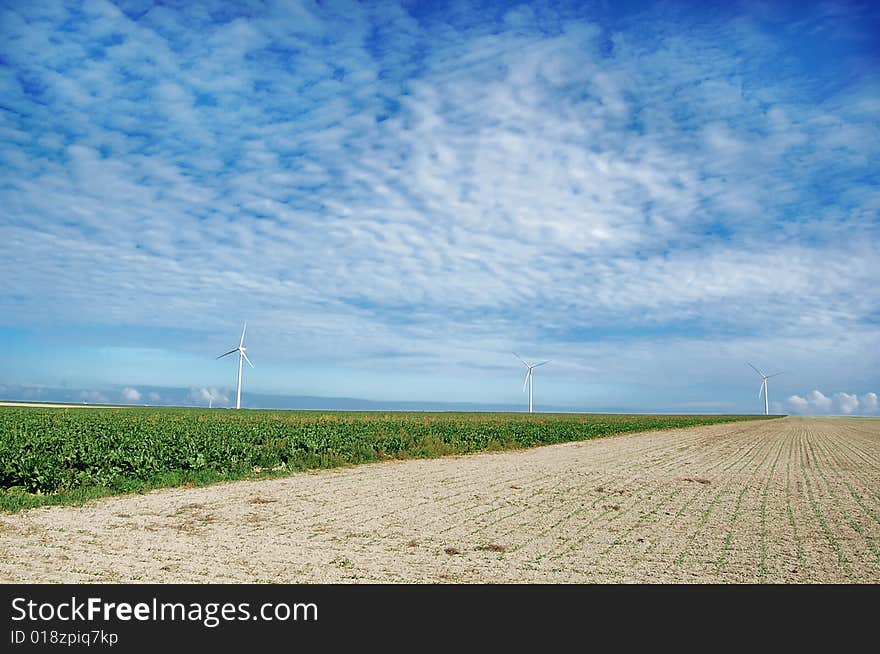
(763, 388)
(241, 357)
(528, 379)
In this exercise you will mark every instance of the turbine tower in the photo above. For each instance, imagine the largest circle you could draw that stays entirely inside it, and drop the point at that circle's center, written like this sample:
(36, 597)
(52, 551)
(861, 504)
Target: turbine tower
(528, 379)
(763, 388)
(241, 358)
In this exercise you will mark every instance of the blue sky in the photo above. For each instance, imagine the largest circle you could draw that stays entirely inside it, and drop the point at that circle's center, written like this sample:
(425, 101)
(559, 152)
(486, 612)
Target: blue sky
(395, 196)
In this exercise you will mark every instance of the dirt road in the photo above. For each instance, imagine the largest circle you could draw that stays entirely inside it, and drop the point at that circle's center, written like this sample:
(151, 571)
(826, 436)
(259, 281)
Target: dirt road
(789, 500)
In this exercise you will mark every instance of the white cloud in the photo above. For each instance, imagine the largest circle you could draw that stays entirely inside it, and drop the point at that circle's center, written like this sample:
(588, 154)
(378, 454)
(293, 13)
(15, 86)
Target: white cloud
(817, 403)
(846, 403)
(131, 394)
(797, 404)
(208, 396)
(820, 401)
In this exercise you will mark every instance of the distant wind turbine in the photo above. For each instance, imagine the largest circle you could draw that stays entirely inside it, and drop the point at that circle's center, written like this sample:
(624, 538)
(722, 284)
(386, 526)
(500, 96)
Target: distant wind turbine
(528, 379)
(763, 388)
(241, 357)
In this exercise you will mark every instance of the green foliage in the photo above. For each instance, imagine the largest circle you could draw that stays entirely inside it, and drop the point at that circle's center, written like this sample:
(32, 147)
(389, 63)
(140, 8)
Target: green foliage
(70, 455)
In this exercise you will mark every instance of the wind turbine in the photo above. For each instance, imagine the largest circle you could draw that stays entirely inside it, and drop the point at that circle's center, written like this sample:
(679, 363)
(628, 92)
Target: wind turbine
(528, 379)
(241, 357)
(763, 388)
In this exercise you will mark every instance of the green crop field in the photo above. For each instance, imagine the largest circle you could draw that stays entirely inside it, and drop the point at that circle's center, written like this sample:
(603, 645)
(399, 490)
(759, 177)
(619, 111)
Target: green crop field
(54, 456)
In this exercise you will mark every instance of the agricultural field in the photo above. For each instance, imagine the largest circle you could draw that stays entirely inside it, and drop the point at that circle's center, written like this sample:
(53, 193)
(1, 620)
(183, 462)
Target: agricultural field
(50, 456)
(788, 500)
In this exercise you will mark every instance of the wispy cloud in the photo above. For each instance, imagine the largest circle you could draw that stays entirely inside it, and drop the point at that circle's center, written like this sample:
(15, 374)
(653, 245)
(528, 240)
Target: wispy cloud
(363, 180)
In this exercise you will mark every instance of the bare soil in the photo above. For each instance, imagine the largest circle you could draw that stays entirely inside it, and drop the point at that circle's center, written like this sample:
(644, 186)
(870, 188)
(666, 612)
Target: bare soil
(794, 500)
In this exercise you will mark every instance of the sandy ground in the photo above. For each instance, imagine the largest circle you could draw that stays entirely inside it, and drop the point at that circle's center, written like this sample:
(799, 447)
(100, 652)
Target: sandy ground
(789, 500)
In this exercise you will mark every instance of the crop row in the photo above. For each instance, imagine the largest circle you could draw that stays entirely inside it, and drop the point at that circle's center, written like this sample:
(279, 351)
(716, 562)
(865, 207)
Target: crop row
(46, 451)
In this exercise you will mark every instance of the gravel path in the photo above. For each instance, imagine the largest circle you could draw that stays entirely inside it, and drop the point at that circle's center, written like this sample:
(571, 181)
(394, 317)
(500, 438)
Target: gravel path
(788, 500)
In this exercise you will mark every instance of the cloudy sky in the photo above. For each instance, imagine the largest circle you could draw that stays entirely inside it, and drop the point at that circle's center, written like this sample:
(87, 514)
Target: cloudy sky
(396, 196)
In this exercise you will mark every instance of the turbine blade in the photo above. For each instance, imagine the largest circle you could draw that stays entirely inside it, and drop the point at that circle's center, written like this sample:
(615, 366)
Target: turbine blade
(755, 369)
(228, 353)
(241, 342)
(761, 389)
(540, 364)
(521, 359)
(775, 374)
(526, 380)
(246, 359)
